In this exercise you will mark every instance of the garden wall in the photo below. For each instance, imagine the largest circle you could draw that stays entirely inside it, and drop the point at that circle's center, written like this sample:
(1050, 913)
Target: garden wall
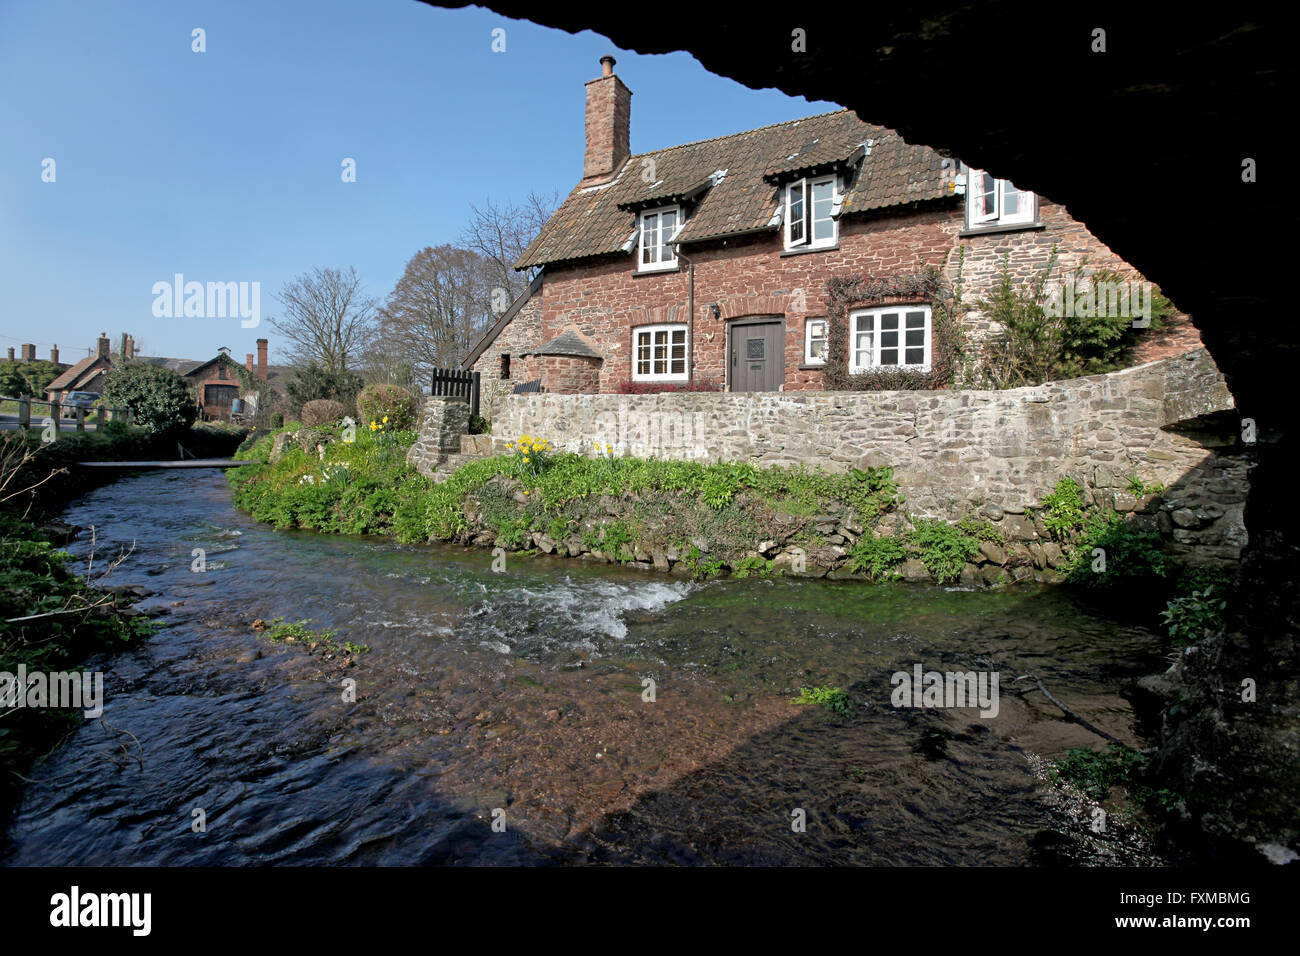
(958, 452)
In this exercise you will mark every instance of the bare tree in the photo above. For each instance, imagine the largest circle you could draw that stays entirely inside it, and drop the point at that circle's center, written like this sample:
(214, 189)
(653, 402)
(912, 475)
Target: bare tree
(328, 318)
(501, 233)
(438, 308)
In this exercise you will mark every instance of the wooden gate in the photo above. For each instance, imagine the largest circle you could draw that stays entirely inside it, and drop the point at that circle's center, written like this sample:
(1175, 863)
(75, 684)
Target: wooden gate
(457, 383)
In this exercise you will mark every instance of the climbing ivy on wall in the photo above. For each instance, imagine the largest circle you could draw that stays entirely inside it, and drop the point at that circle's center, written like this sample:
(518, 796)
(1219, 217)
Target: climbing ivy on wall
(927, 287)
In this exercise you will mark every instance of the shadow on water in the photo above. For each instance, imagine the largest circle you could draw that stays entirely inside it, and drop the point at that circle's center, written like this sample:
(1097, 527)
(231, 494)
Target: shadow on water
(520, 695)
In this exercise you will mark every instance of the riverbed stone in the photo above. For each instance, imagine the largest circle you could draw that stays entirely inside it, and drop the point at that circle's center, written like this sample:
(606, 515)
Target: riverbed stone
(993, 552)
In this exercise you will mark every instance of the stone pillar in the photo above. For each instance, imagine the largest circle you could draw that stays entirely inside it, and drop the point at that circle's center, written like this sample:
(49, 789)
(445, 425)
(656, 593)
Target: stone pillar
(443, 420)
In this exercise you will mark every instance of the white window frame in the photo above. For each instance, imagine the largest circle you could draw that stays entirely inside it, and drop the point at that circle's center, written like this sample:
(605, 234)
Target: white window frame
(801, 190)
(661, 245)
(858, 318)
(977, 186)
(808, 326)
(668, 375)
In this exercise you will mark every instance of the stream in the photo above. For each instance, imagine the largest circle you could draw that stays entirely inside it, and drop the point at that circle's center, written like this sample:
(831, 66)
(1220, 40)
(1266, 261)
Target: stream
(500, 718)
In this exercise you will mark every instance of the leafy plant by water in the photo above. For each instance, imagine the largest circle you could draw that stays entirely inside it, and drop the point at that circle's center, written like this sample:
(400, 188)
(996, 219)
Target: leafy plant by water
(832, 699)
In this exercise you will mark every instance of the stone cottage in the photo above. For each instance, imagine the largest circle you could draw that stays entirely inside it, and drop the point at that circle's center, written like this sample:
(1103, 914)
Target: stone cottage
(706, 265)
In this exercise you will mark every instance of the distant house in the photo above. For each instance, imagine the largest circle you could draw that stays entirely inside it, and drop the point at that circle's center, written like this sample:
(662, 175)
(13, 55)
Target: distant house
(220, 380)
(744, 262)
(216, 382)
(86, 375)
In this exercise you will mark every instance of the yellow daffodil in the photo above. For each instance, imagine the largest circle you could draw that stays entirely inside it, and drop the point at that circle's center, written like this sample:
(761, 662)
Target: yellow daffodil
(525, 459)
(385, 419)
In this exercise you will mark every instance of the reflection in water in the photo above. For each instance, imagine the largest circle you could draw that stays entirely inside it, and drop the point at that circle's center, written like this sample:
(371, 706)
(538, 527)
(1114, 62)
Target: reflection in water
(522, 693)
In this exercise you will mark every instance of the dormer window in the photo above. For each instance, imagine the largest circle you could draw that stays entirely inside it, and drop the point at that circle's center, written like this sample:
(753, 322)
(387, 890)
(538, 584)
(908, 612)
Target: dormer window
(996, 202)
(658, 228)
(808, 206)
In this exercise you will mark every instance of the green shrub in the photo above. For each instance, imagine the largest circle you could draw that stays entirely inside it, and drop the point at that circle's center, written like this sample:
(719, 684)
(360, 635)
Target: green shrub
(945, 549)
(311, 382)
(1062, 510)
(159, 398)
(389, 405)
(1195, 616)
(832, 698)
(323, 411)
(478, 425)
(1133, 560)
(876, 557)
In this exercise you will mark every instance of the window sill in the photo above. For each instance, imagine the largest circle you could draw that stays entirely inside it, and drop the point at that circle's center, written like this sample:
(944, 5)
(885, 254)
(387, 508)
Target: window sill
(876, 369)
(659, 381)
(991, 230)
(642, 273)
(812, 367)
(803, 252)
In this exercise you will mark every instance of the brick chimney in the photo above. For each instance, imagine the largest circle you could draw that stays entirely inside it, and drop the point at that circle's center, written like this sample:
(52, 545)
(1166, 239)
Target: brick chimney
(128, 347)
(29, 352)
(105, 346)
(54, 354)
(261, 359)
(11, 353)
(248, 362)
(609, 120)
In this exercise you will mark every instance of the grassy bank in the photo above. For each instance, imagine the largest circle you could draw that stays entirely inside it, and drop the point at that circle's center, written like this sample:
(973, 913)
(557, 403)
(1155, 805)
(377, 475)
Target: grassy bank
(708, 518)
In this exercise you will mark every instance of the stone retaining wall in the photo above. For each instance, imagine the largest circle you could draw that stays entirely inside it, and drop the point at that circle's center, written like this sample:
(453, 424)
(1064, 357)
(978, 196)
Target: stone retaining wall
(957, 452)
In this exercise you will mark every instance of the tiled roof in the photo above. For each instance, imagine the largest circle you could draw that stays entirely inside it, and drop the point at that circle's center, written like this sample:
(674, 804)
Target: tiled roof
(68, 379)
(177, 365)
(597, 220)
(566, 343)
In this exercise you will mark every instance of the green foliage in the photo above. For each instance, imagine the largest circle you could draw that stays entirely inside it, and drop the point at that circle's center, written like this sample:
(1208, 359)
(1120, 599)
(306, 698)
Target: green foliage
(876, 557)
(944, 548)
(1195, 616)
(390, 405)
(157, 396)
(311, 382)
(753, 564)
(1039, 342)
(478, 425)
(1097, 772)
(700, 566)
(1134, 561)
(981, 530)
(1062, 510)
(832, 698)
(281, 631)
(26, 378)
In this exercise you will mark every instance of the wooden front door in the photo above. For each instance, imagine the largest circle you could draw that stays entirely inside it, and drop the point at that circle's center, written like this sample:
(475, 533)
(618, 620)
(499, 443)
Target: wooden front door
(757, 357)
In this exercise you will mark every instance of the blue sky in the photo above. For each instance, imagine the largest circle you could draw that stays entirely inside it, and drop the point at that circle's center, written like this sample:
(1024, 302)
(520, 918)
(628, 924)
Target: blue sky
(225, 165)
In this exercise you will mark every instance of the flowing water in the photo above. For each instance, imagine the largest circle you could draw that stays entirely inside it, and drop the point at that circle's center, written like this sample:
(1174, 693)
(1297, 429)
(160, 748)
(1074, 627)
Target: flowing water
(502, 717)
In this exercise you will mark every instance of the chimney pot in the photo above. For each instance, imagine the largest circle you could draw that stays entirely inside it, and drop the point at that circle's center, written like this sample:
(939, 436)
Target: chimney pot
(607, 65)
